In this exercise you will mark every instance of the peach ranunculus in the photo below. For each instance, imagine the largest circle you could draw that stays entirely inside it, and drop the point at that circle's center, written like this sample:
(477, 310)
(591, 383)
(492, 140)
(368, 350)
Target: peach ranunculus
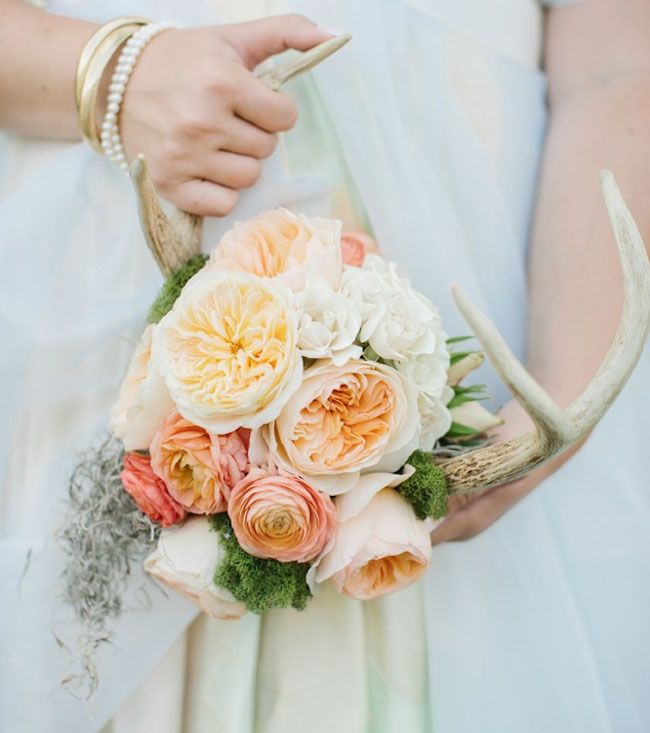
(380, 545)
(186, 560)
(280, 516)
(343, 420)
(228, 352)
(290, 248)
(199, 469)
(355, 246)
(149, 491)
(143, 400)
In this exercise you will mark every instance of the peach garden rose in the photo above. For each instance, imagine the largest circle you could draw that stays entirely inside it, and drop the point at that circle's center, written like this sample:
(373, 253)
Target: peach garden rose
(290, 248)
(198, 468)
(380, 545)
(227, 351)
(280, 516)
(343, 420)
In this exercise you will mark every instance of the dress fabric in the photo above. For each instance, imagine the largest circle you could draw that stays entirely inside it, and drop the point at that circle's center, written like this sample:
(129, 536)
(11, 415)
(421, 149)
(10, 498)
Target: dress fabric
(435, 115)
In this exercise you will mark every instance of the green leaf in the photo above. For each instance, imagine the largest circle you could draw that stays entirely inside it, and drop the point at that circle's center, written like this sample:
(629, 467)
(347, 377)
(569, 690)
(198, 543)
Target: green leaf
(471, 393)
(457, 430)
(458, 339)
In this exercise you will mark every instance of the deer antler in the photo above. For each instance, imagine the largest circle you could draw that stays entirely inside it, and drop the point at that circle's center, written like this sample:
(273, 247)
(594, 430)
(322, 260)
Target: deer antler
(174, 239)
(557, 429)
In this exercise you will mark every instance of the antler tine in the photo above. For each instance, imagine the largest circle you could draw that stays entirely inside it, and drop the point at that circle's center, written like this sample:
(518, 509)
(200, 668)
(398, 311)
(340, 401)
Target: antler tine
(556, 429)
(634, 325)
(542, 410)
(172, 240)
(175, 239)
(276, 76)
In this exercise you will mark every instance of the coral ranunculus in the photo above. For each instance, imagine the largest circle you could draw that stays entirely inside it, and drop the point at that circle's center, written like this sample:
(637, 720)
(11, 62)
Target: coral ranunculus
(290, 248)
(228, 351)
(380, 545)
(280, 516)
(149, 491)
(343, 420)
(198, 468)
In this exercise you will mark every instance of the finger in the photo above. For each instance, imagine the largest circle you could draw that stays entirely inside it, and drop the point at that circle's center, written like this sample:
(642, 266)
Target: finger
(266, 109)
(231, 170)
(204, 198)
(246, 139)
(256, 41)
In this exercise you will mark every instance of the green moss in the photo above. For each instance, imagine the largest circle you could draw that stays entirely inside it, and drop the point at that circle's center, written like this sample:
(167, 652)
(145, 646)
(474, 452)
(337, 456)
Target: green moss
(426, 489)
(258, 583)
(173, 286)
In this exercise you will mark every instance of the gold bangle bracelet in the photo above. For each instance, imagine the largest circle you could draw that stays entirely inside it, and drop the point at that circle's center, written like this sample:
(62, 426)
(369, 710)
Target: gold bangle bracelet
(91, 47)
(93, 79)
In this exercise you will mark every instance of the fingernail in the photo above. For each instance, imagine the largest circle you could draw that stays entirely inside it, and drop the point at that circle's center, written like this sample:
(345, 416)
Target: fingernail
(330, 31)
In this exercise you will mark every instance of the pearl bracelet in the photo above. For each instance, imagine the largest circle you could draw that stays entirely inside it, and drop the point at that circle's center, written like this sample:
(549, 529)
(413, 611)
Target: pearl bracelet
(111, 141)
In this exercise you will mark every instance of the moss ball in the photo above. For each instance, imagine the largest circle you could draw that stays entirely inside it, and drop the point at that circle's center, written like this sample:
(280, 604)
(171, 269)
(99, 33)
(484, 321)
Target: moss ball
(173, 286)
(426, 489)
(260, 584)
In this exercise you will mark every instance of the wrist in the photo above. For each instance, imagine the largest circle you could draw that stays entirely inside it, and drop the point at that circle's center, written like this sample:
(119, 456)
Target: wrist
(99, 53)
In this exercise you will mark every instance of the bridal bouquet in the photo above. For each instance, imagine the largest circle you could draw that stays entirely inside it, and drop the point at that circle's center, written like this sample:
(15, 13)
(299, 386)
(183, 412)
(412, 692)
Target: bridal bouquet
(277, 415)
(294, 415)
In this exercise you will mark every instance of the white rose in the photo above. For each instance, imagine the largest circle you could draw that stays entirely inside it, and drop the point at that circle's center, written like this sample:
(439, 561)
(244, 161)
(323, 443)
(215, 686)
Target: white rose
(186, 560)
(428, 371)
(380, 546)
(398, 322)
(435, 421)
(328, 323)
(143, 401)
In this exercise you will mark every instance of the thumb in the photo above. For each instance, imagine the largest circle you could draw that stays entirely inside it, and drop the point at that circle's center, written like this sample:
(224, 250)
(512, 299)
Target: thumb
(259, 39)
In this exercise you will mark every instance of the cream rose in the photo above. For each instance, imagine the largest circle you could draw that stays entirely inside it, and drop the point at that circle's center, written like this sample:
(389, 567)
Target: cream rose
(328, 323)
(343, 420)
(143, 400)
(290, 248)
(380, 546)
(186, 560)
(228, 351)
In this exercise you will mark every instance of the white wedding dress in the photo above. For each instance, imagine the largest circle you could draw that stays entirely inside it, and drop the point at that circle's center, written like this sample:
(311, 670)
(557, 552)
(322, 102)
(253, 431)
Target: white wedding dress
(435, 116)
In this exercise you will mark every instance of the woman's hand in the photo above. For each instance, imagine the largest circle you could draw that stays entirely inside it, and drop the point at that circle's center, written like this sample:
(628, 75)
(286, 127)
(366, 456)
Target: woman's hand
(470, 514)
(193, 105)
(201, 117)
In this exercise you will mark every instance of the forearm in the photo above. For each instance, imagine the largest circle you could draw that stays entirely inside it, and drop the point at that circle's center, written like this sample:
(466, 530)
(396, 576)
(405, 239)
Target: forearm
(600, 118)
(598, 63)
(39, 52)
